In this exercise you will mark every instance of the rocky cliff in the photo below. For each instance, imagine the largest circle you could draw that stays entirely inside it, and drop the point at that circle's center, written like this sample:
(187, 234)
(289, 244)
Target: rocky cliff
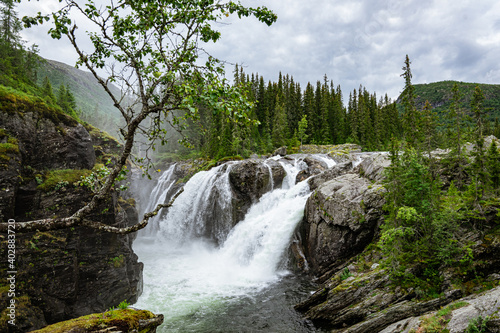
(338, 240)
(66, 273)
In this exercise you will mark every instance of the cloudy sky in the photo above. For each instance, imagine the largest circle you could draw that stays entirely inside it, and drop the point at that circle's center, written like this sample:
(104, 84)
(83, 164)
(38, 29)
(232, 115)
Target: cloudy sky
(352, 42)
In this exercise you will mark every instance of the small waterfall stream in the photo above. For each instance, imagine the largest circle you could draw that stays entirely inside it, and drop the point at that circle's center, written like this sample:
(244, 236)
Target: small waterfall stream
(241, 285)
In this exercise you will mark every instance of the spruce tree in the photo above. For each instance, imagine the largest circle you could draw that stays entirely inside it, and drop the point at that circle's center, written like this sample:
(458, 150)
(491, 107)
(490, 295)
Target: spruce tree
(280, 128)
(47, 90)
(411, 119)
(456, 119)
(302, 128)
(479, 171)
(493, 166)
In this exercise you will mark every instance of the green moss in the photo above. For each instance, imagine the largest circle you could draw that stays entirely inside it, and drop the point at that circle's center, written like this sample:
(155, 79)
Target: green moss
(129, 201)
(9, 147)
(6, 149)
(55, 179)
(124, 320)
(15, 101)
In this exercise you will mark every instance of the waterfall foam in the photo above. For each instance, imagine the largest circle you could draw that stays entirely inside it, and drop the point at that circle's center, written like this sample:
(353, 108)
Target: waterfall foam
(189, 279)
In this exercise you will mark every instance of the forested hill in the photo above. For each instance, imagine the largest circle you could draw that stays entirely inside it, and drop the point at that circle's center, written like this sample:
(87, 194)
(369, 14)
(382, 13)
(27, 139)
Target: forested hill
(93, 103)
(439, 94)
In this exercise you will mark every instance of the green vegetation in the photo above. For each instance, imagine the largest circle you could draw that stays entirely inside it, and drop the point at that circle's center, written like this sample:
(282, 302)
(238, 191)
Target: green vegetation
(57, 179)
(437, 323)
(345, 274)
(8, 148)
(124, 320)
(117, 262)
(439, 96)
(423, 232)
(284, 115)
(16, 101)
(477, 325)
(123, 305)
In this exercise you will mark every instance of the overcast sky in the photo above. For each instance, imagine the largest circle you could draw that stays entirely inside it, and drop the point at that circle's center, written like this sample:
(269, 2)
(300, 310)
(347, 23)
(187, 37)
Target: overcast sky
(352, 42)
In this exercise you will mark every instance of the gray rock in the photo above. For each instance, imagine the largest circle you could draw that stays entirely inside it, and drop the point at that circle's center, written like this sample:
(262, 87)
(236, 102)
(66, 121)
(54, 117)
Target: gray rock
(483, 305)
(314, 166)
(280, 151)
(372, 166)
(341, 218)
(333, 172)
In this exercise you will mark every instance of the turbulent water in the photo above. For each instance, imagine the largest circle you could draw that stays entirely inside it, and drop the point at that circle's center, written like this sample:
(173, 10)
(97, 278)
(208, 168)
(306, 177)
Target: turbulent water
(242, 285)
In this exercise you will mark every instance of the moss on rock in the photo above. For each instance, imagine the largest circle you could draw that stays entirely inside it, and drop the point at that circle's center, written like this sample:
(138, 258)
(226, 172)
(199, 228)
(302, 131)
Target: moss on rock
(123, 320)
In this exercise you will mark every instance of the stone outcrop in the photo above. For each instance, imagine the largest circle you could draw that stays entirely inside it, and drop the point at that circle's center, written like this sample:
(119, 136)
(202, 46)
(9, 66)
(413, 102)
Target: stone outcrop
(314, 167)
(250, 179)
(341, 221)
(341, 218)
(67, 273)
(46, 144)
(464, 310)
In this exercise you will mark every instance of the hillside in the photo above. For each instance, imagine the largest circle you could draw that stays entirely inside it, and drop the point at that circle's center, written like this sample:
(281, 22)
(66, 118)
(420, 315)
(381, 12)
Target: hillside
(439, 95)
(95, 104)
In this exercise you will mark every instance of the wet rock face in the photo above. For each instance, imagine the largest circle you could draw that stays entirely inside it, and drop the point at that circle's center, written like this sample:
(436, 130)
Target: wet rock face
(314, 167)
(250, 179)
(342, 216)
(74, 272)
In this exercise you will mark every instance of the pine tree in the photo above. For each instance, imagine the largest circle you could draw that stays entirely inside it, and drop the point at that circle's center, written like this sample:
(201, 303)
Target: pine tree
(455, 133)
(47, 90)
(429, 125)
(308, 106)
(480, 173)
(493, 166)
(15, 60)
(477, 111)
(411, 117)
(280, 128)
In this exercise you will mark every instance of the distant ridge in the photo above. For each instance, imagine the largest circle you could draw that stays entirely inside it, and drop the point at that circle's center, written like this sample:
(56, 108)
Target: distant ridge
(439, 95)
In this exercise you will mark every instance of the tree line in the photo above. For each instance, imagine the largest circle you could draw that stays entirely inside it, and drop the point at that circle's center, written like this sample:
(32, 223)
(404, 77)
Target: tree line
(285, 115)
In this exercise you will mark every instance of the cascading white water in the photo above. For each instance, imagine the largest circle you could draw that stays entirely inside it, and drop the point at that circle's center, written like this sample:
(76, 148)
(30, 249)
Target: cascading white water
(158, 195)
(271, 180)
(198, 286)
(205, 202)
(328, 160)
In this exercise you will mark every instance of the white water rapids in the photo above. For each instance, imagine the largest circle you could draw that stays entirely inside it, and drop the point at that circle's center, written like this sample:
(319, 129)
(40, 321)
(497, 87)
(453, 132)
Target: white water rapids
(200, 287)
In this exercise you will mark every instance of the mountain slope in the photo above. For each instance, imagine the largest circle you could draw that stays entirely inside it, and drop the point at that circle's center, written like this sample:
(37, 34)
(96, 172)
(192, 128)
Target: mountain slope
(439, 95)
(96, 106)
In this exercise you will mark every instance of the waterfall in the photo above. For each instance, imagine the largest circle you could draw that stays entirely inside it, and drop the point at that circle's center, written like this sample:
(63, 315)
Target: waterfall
(158, 196)
(199, 285)
(271, 180)
(203, 210)
(327, 159)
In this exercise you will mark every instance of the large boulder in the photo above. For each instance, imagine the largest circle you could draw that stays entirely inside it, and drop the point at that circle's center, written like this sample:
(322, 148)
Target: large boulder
(373, 165)
(341, 218)
(250, 179)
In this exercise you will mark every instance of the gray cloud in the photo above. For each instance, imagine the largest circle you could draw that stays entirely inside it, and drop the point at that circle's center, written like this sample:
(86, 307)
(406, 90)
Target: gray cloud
(352, 42)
